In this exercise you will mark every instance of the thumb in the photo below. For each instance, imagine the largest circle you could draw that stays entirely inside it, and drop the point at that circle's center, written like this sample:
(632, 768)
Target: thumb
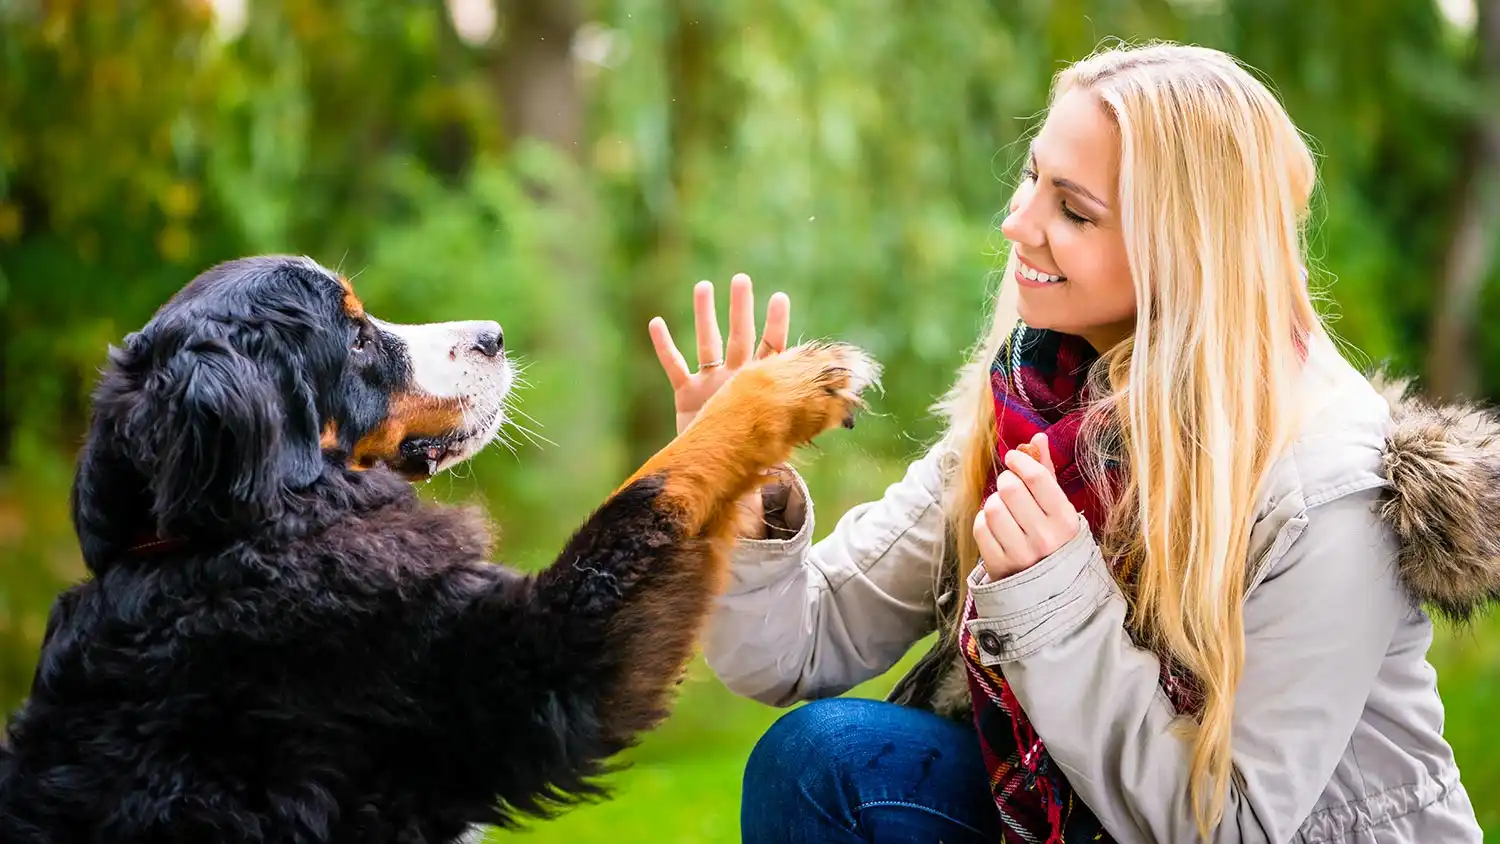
(1039, 441)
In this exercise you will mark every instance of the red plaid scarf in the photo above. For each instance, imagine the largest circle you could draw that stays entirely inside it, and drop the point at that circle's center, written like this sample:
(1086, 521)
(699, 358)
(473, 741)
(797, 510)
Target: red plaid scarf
(1038, 382)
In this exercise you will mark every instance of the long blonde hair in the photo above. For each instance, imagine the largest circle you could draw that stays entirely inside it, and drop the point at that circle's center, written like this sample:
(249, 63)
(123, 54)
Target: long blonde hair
(1215, 184)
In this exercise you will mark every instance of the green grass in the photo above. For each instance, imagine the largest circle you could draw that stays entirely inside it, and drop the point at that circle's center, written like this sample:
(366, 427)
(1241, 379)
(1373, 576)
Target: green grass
(683, 782)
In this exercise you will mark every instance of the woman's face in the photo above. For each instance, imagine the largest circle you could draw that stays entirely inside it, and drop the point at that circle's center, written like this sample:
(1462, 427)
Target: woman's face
(1064, 225)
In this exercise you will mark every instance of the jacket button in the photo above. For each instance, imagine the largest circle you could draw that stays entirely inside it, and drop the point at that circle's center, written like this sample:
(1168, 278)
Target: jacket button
(991, 642)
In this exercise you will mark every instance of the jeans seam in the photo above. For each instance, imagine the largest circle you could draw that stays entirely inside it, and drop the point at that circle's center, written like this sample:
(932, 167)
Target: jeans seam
(848, 825)
(919, 807)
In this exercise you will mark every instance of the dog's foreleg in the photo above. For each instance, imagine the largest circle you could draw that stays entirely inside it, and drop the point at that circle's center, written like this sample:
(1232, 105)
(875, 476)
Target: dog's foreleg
(637, 582)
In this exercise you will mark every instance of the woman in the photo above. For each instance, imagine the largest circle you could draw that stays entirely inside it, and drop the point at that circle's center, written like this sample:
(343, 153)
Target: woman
(1199, 614)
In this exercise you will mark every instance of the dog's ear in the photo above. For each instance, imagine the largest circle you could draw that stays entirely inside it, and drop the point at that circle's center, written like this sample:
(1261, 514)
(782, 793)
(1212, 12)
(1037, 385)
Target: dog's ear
(227, 435)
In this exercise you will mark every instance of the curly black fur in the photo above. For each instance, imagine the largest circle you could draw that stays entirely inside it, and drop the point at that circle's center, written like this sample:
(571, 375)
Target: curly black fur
(320, 656)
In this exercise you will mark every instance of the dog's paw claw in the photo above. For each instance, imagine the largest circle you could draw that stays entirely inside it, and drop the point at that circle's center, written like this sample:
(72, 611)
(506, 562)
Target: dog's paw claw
(821, 383)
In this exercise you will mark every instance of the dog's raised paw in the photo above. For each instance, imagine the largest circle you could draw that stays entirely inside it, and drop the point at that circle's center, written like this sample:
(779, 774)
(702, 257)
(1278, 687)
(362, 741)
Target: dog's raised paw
(818, 386)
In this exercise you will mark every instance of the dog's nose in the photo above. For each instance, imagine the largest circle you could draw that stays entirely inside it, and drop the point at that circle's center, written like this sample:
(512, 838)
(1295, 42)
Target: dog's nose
(490, 339)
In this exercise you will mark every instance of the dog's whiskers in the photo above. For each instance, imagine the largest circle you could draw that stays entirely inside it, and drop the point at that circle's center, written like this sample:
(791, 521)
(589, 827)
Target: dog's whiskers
(509, 411)
(535, 437)
(506, 441)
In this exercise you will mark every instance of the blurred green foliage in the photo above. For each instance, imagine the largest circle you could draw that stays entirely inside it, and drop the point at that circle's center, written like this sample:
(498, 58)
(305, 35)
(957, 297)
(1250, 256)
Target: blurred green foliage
(854, 153)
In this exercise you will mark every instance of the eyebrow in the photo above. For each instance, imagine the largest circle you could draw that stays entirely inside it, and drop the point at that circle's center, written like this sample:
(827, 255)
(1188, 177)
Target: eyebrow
(1073, 187)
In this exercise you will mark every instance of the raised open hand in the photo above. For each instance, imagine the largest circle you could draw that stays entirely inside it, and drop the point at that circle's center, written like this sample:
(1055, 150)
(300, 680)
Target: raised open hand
(691, 389)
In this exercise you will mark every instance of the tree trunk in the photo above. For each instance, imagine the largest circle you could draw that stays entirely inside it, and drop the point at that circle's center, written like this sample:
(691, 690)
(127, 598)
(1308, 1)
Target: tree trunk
(533, 73)
(542, 100)
(1451, 366)
(662, 256)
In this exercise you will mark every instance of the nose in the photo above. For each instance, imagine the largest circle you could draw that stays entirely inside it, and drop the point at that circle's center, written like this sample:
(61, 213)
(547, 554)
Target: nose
(1018, 227)
(489, 340)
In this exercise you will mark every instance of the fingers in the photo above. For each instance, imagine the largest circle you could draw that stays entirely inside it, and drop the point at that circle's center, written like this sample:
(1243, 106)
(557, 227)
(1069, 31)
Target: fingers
(666, 352)
(1022, 507)
(1002, 523)
(1039, 442)
(1040, 481)
(778, 325)
(989, 548)
(741, 321)
(706, 322)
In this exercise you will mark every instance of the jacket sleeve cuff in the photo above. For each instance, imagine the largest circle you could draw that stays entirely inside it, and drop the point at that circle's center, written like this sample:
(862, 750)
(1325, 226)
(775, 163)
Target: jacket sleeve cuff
(757, 562)
(1020, 615)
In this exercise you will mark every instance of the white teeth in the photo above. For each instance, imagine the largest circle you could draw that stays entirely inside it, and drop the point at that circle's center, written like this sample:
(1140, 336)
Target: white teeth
(1036, 275)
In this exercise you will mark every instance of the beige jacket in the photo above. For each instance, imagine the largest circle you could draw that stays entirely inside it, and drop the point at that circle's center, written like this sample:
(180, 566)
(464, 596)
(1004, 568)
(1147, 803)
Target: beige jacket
(1377, 510)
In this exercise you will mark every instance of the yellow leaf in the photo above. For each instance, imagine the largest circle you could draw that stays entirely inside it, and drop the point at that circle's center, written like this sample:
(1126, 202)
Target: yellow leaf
(55, 28)
(88, 246)
(10, 222)
(614, 155)
(174, 243)
(180, 200)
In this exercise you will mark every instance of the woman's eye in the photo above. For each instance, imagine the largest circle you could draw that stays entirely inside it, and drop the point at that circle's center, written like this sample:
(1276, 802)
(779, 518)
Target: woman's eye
(1028, 174)
(1074, 216)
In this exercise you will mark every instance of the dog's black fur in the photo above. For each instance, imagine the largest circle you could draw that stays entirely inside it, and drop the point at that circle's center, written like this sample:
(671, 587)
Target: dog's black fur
(311, 653)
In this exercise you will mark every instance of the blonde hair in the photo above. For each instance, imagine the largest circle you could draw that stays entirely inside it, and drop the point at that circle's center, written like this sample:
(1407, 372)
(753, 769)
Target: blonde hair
(1215, 185)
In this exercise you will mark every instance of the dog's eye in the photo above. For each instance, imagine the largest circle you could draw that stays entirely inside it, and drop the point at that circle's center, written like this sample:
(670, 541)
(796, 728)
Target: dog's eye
(360, 341)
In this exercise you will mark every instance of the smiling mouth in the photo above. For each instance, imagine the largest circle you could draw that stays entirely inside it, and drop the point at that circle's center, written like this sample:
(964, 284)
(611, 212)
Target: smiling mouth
(1029, 276)
(1032, 274)
(1028, 281)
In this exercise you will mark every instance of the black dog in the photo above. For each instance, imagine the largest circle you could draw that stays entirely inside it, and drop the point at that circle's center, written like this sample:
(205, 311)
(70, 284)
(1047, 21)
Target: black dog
(280, 642)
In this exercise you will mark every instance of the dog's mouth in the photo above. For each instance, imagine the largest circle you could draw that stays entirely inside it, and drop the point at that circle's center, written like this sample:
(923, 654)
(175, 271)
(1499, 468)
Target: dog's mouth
(480, 415)
(420, 457)
(425, 434)
(454, 401)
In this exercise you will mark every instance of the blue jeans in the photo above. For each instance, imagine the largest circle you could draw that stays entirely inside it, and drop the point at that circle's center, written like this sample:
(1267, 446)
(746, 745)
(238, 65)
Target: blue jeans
(851, 769)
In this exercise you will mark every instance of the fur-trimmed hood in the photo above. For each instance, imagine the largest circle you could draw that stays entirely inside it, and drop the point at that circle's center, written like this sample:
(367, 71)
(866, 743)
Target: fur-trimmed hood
(1442, 464)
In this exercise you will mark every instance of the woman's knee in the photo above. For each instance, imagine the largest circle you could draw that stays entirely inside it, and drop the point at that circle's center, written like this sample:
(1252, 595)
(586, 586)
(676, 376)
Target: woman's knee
(818, 745)
(802, 743)
(815, 772)
(797, 785)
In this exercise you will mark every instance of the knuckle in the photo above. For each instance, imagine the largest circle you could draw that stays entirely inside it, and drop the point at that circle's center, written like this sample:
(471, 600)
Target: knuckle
(1015, 494)
(1030, 470)
(1061, 533)
(982, 534)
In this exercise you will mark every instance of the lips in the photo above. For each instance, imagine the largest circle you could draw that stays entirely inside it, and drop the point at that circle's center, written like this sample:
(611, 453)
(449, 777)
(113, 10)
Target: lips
(1030, 275)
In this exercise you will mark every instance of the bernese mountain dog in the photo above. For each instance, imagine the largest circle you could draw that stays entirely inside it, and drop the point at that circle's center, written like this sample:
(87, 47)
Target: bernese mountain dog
(279, 641)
